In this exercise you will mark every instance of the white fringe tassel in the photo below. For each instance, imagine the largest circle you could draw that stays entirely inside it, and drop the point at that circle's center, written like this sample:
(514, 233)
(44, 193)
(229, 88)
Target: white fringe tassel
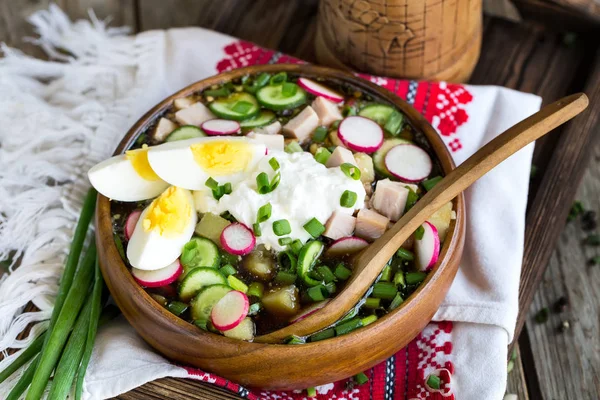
(57, 119)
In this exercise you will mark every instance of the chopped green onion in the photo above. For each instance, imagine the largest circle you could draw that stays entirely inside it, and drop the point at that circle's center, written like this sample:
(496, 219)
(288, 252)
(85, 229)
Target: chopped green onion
(411, 199)
(221, 92)
(262, 183)
(324, 334)
(278, 78)
(282, 227)
(237, 284)
(322, 155)
(256, 229)
(293, 147)
(434, 382)
(318, 293)
(296, 246)
(405, 254)
(285, 241)
(274, 163)
(399, 279)
(348, 326)
(177, 307)
(372, 302)
(331, 288)
(311, 392)
(348, 199)
(326, 273)
(336, 124)
(254, 308)
(394, 123)
(287, 260)
(227, 270)
(242, 107)
(256, 289)
(319, 134)
(414, 278)
(386, 274)
(396, 302)
(294, 340)
(384, 290)
(430, 183)
(419, 232)
(289, 89)
(211, 183)
(361, 378)
(275, 181)
(314, 228)
(226, 188)
(351, 171)
(342, 272)
(262, 79)
(349, 111)
(264, 213)
(285, 278)
(202, 324)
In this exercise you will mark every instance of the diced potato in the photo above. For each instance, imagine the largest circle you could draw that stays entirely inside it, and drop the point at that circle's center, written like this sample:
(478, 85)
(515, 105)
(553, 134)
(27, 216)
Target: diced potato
(441, 220)
(211, 226)
(282, 302)
(244, 331)
(260, 263)
(183, 102)
(163, 129)
(365, 163)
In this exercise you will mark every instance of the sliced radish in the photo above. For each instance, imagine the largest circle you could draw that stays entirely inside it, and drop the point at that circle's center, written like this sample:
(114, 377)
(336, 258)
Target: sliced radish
(238, 239)
(228, 312)
(346, 245)
(313, 308)
(131, 222)
(219, 127)
(408, 162)
(428, 248)
(158, 277)
(244, 331)
(319, 90)
(360, 134)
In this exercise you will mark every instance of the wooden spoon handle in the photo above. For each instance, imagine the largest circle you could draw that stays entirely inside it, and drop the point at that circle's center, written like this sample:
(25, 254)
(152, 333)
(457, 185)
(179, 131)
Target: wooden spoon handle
(372, 260)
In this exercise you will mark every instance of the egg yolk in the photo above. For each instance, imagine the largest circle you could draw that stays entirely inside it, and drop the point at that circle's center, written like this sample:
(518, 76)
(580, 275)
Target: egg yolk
(139, 161)
(222, 157)
(169, 213)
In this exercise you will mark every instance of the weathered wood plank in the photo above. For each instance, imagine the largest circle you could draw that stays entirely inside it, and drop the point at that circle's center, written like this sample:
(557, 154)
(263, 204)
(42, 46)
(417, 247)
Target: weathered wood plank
(179, 389)
(516, 379)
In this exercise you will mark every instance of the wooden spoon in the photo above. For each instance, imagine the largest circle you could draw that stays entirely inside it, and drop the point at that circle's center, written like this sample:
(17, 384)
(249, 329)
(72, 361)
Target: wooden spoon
(372, 260)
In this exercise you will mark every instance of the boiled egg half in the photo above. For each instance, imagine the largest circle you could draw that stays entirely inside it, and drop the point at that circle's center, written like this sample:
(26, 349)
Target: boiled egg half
(164, 227)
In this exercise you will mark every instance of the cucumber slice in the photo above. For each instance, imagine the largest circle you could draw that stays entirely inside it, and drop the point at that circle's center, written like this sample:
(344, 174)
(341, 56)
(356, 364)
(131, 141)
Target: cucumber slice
(198, 278)
(271, 97)
(203, 303)
(185, 132)
(307, 259)
(265, 117)
(199, 252)
(238, 107)
(379, 155)
(377, 112)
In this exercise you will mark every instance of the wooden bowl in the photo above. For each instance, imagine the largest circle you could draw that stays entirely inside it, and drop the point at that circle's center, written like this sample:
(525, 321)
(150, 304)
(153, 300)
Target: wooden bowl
(278, 366)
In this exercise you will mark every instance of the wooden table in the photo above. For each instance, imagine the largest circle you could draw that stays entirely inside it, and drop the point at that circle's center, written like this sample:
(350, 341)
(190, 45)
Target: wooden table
(530, 57)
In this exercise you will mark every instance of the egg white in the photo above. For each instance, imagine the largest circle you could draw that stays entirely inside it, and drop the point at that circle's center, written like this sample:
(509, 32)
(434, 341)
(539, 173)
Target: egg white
(151, 250)
(116, 179)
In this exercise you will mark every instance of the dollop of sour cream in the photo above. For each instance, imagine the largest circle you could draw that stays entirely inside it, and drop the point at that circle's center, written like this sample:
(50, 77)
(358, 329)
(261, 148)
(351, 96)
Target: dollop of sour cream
(307, 190)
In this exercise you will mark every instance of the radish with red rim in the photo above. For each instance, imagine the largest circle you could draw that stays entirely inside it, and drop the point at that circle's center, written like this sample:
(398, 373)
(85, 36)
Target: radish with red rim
(427, 248)
(158, 277)
(220, 127)
(317, 89)
(408, 162)
(238, 239)
(313, 308)
(346, 245)
(360, 134)
(131, 222)
(228, 312)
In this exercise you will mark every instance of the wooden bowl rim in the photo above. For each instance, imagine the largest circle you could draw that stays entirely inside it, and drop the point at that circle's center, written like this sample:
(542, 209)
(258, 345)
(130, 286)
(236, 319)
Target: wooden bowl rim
(455, 233)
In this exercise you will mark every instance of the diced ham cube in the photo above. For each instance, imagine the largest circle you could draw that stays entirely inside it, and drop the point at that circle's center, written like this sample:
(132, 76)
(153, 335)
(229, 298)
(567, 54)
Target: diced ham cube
(163, 129)
(327, 111)
(196, 114)
(183, 102)
(301, 126)
(390, 199)
(271, 129)
(370, 225)
(340, 156)
(339, 225)
(273, 142)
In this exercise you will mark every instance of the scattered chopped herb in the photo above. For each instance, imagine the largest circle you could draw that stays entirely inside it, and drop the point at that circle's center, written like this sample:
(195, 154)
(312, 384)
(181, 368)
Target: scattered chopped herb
(293, 147)
(430, 183)
(593, 240)
(405, 254)
(322, 155)
(274, 164)
(256, 229)
(533, 172)
(513, 355)
(311, 392)
(348, 199)
(278, 78)
(319, 134)
(434, 382)
(284, 241)
(294, 340)
(576, 210)
(588, 221)
(314, 227)
(419, 232)
(289, 89)
(222, 92)
(351, 171)
(542, 315)
(361, 378)
(595, 260)
(242, 107)
(561, 304)
(411, 199)
(510, 366)
(282, 227)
